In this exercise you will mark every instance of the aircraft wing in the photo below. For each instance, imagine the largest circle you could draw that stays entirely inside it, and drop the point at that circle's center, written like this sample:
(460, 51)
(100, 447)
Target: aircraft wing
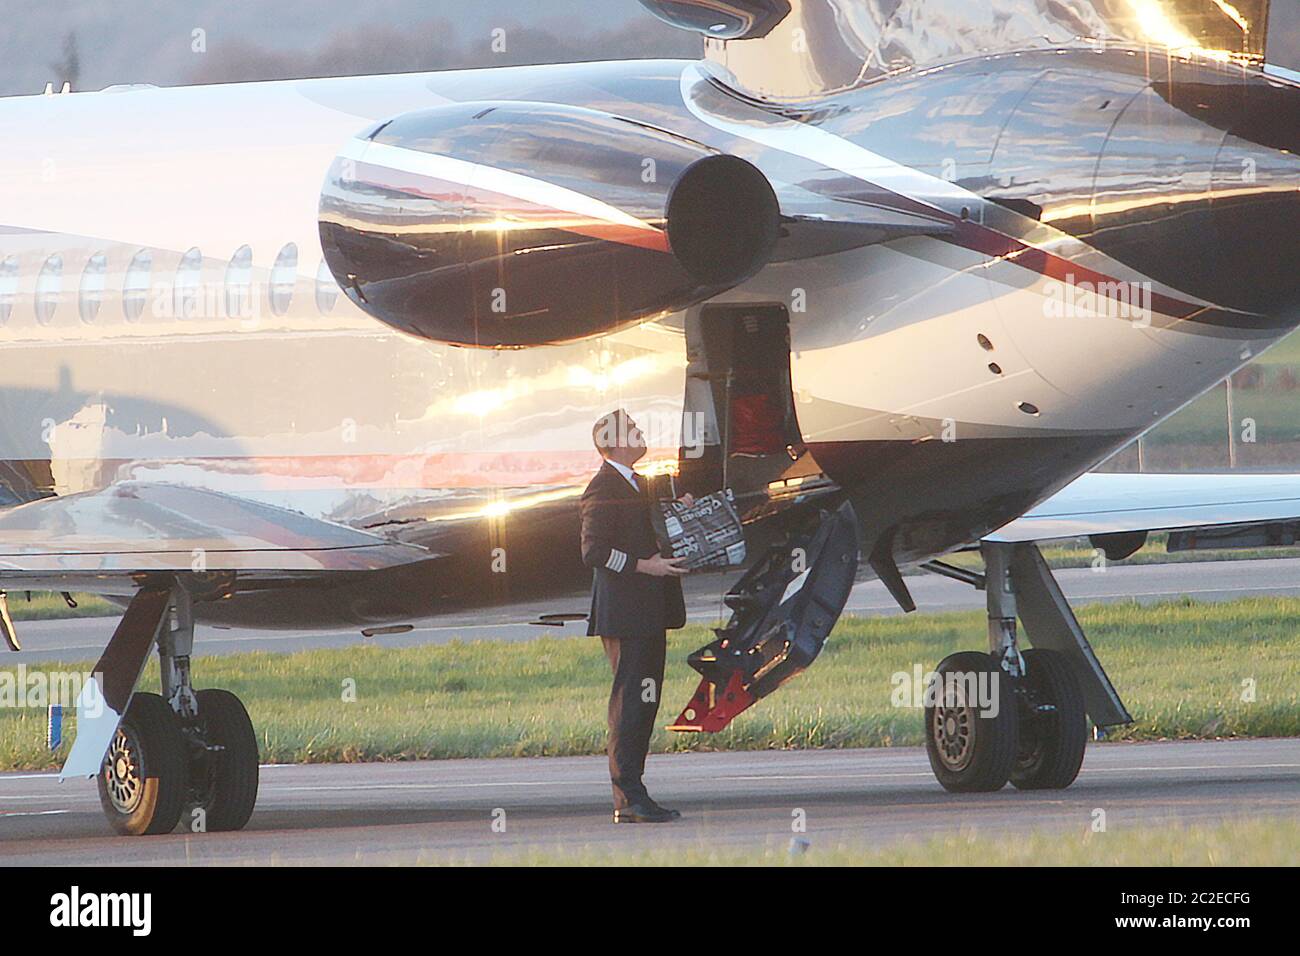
(1113, 504)
(138, 527)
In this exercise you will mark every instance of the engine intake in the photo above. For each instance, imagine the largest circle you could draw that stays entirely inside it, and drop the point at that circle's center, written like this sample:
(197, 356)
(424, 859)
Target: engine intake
(518, 224)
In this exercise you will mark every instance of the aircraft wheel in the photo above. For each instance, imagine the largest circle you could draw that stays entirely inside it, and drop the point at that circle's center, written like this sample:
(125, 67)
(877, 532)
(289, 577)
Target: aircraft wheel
(971, 744)
(1054, 726)
(143, 781)
(224, 781)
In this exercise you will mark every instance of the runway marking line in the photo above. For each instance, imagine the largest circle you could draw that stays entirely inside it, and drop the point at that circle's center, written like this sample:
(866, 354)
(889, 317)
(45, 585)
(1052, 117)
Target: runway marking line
(733, 777)
(435, 786)
(926, 773)
(739, 777)
(26, 796)
(1226, 766)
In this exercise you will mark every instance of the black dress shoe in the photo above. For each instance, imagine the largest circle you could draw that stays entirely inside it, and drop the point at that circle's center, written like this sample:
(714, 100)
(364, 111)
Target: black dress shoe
(645, 812)
(676, 815)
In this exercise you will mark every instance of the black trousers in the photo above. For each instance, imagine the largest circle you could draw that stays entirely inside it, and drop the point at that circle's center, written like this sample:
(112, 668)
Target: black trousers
(638, 665)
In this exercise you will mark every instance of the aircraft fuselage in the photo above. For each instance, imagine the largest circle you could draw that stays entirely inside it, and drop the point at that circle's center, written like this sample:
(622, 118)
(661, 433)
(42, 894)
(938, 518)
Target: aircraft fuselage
(1123, 237)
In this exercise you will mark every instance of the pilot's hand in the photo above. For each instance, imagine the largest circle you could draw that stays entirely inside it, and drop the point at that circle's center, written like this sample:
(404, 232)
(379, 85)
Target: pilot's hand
(687, 499)
(657, 566)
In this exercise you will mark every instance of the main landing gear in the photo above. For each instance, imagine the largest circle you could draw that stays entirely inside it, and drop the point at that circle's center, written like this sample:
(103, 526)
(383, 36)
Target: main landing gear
(183, 757)
(990, 717)
(1013, 715)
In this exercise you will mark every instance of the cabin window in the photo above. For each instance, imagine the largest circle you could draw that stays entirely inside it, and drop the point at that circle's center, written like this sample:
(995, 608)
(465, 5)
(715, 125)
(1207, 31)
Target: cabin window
(135, 286)
(327, 290)
(185, 294)
(8, 287)
(239, 284)
(93, 282)
(49, 289)
(283, 276)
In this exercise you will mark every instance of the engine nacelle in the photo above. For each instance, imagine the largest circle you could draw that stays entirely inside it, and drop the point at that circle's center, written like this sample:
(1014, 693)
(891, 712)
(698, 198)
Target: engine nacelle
(517, 224)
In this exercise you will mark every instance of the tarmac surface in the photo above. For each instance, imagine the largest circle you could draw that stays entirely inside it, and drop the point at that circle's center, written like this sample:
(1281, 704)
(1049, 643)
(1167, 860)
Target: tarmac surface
(443, 811)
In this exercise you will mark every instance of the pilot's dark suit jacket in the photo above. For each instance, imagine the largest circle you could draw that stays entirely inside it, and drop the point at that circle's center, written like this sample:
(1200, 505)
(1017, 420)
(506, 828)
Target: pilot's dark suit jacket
(616, 532)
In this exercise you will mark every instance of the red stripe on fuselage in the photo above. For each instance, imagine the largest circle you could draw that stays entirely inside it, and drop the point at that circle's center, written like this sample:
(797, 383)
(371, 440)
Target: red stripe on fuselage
(996, 245)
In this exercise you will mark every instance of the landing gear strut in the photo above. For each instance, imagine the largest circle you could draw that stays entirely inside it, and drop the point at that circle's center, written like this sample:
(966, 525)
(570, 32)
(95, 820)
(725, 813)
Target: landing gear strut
(1012, 715)
(187, 757)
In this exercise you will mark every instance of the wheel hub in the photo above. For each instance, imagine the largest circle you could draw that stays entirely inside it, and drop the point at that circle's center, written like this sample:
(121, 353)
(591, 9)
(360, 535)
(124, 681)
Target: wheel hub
(124, 782)
(952, 733)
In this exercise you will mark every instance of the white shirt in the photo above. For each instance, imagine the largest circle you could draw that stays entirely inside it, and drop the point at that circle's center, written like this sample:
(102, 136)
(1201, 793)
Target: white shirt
(626, 472)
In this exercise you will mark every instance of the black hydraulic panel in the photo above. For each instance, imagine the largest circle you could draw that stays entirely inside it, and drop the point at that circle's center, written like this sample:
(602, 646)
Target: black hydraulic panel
(517, 224)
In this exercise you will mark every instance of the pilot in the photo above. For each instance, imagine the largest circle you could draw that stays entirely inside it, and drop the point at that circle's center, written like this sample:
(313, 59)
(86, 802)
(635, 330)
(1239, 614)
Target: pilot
(635, 597)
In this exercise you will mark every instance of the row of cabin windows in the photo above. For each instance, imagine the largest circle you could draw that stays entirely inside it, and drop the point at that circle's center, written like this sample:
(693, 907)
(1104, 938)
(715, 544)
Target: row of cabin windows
(186, 288)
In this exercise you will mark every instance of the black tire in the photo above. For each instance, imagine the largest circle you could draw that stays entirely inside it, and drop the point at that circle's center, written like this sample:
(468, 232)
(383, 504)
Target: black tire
(224, 781)
(1054, 727)
(971, 750)
(144, 779)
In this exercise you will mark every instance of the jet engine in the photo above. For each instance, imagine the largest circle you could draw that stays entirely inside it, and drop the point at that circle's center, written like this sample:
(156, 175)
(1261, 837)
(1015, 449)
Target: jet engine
(516, 224)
